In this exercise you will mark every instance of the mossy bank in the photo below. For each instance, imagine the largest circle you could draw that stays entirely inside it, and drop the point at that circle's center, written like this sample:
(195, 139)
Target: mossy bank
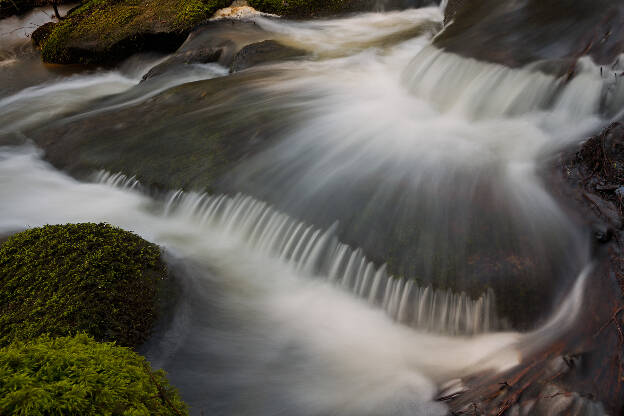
(107, 31)
(63, 279)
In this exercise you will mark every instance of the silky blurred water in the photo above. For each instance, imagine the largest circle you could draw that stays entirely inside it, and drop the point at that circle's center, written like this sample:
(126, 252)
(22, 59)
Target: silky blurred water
(384, 149)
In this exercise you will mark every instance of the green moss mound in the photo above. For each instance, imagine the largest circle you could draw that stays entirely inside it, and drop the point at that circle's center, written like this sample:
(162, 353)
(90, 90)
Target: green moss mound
(79, 376)
(107, 31)
(62, 279)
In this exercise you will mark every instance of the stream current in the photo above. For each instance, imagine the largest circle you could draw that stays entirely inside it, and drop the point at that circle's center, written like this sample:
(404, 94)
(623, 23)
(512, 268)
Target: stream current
(286, 305)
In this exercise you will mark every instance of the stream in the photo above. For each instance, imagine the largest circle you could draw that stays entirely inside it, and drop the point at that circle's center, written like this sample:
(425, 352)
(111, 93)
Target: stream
(386, 233)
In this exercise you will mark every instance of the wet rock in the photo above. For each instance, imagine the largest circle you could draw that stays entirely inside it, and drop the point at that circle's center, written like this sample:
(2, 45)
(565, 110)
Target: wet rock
(517, 33)
(602, 232)
(177, 139)
(41, 34)
(215, 41)
(606, 209)
(198, 56)
(452, 8)
(263, 52)
(233, 43)
(106, 32)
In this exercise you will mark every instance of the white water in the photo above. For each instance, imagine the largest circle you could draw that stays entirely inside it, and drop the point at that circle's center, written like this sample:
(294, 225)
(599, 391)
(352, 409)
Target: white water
(354, 358)
(279, 316)
(317, 253)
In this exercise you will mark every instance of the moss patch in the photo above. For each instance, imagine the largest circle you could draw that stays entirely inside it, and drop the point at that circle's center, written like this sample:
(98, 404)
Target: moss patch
(62, 279)
(106, 31)
(79, 376)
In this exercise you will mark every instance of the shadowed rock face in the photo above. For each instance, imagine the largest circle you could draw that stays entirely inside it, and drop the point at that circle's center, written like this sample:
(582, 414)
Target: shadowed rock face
(220, 41)
(263, 52)
(198, 56)
(514, 32)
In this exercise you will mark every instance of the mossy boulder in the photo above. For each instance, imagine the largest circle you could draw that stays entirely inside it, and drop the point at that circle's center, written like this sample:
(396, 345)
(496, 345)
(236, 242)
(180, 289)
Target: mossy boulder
(79, 376)
(107, 31)
(42, 33)
(63, 279)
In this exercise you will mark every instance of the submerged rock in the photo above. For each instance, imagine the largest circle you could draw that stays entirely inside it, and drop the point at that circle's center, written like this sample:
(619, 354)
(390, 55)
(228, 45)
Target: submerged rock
(198, 56)
(176, 139)
(263, 52)
(105, 32)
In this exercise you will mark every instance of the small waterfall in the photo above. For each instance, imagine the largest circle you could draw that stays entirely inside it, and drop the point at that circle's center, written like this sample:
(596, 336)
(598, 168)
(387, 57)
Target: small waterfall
(480, 90)
(443, 5)
(117, 180)
(318, 253)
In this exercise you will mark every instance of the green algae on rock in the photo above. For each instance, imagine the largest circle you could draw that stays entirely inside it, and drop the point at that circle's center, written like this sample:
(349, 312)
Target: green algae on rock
(63, 279)
(79, 376)
(106, 31)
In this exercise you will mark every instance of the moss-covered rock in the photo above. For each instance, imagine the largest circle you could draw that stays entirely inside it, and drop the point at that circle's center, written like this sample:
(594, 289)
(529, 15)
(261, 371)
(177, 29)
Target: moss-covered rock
(79, 376)
(42, 33)
(62, 279)
(107, 31)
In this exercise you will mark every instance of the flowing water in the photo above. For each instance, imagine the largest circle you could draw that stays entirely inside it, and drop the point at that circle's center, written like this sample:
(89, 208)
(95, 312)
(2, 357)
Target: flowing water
(385, 242)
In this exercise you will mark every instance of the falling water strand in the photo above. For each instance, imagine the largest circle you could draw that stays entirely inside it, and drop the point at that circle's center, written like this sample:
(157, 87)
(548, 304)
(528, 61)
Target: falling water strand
(318, 253)
(117, 180)
(455, 85)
